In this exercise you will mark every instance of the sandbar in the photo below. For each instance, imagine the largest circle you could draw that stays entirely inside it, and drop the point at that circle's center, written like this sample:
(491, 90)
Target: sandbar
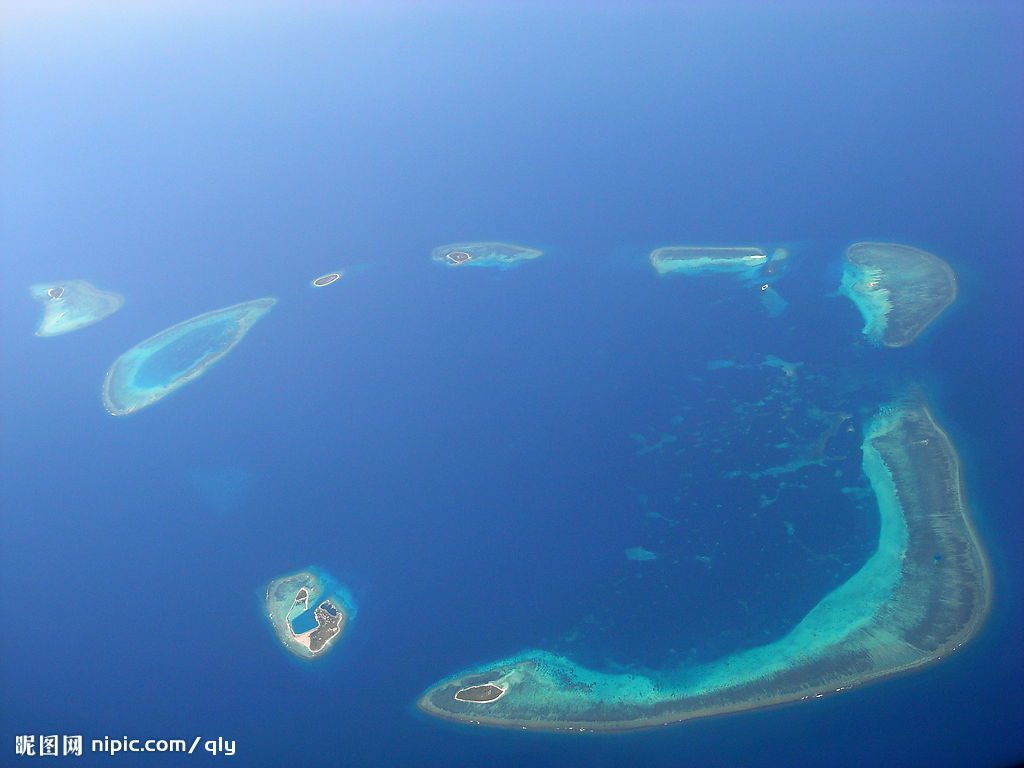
(692, 260)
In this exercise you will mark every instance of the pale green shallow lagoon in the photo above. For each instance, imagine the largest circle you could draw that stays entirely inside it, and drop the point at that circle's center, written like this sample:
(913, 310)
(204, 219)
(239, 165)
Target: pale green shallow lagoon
(164, 363)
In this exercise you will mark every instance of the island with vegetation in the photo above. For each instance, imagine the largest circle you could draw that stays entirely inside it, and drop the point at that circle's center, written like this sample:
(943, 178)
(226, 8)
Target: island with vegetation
(69, 305)
(489, 254)
(324, 280)
(308, 611)
(922, 594)
(163, 363)
(898, 290)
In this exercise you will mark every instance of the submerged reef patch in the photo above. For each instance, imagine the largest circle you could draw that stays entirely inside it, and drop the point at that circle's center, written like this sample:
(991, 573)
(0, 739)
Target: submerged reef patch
(640, 554)
(898, 290)
(69, 305)
(163, 363)
(772, 301)
(922, 593)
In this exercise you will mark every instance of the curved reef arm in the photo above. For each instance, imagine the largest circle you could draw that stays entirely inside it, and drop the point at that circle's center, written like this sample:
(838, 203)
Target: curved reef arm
(922, 594)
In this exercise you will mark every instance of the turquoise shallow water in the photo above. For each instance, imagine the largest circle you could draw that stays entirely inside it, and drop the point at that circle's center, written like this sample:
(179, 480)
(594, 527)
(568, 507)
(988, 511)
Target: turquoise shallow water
(178, 357)
(473, 453)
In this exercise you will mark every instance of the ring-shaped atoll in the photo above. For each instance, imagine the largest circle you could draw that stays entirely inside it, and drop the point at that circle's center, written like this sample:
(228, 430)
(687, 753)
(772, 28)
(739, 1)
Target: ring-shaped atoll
(489, 254)
(898, 290)
(69, 305)
(922, 594)
(163, 363)
(309, 611)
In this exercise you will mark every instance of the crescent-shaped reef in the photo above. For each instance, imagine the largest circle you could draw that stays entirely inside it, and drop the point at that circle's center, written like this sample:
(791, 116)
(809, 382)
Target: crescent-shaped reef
(72, 304)
(490, 254)
(922, 594)
(161, 364)
(308, 611)
(899, 290)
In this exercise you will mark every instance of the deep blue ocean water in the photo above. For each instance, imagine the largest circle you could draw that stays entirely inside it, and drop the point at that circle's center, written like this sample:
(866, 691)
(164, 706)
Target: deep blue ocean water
(471, 451)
